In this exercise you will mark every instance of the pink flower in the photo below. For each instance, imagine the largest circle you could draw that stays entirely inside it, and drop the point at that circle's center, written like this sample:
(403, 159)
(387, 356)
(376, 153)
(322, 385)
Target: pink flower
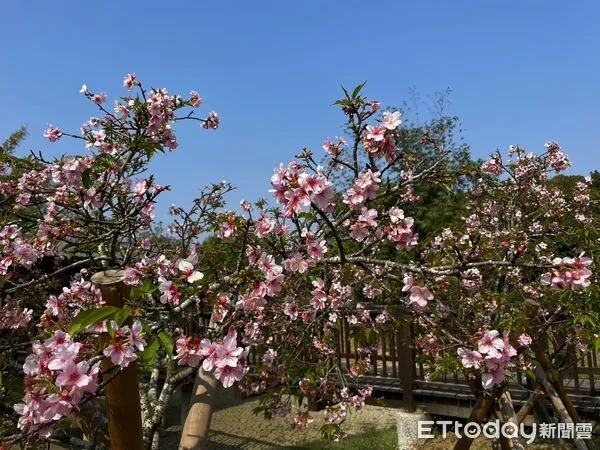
(120, 354)
(229, 375)
(391, 120)
(420, 295)
(492, 378)
(376, 134)
(212, 122)
(74, 375)
(317, 249)
(195, 99)
(296, 264)
(129, 81)
(371, 291)
(187, 351)
(296, 199)
(63, 355)
(228, 352)
(291, 310)
(187, 270)
(470, 358)
(170, 293)
(264, 225)
(100, 98)
(273, 285)
(132, 276)
(524, 340)
(136, 336)
(490, 342)
(52, 133)
(209, 350)
(396, 214)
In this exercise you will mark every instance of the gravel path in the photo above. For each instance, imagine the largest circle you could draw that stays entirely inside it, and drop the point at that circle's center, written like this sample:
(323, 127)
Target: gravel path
(237, 427)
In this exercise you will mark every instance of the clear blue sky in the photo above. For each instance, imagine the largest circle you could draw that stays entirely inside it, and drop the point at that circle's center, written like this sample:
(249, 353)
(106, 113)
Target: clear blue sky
(521, 72)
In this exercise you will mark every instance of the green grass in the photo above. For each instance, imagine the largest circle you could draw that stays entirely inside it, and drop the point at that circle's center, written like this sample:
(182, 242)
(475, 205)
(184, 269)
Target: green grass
(386, 439)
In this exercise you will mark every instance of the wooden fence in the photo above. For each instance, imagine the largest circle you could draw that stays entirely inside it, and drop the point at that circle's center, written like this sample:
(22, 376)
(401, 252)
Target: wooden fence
(397, 368)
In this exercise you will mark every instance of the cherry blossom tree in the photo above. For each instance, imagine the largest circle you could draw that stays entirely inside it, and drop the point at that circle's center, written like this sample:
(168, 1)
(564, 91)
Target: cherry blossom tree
(483, 296)
(335, 248)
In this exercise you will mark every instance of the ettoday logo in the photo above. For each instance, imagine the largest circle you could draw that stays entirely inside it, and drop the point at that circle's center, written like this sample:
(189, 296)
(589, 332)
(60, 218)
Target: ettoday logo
(496, 429)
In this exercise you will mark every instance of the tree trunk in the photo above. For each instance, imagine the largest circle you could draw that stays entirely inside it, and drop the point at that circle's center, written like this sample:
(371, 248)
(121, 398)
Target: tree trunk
(194, 435)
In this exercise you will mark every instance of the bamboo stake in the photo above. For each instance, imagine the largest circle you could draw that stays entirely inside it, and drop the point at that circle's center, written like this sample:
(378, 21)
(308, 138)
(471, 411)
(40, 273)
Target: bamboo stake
(194, 435)
(529, 404)
(478, 414)
(123, 408)
(508, 415)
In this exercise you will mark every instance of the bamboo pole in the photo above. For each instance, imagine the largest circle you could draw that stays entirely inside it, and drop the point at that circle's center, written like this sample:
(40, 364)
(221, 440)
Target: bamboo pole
(508, 415)
(123, 408)
(528, 406)
(480, 411)
(194, 435)
(555, 379)
(560, 409)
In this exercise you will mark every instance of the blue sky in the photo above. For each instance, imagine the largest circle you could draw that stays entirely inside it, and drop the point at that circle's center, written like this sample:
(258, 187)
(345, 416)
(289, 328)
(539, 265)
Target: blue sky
(521, 72)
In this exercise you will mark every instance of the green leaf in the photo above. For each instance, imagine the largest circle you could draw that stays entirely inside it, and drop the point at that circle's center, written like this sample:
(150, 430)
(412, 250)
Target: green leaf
(342, 102)
(167, 342)
(371, 336)
(346, 93)
(90, 317)
(357, 90)
(86, 178)
(122, 315)
(145, 287)
(150, 352)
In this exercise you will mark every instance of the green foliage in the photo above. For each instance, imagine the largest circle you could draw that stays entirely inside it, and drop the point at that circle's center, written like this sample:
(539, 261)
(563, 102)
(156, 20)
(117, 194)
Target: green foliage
(444, 364)
(86, 319)
(166, 341)
(150, 353)
(9, 146)
(146, 287)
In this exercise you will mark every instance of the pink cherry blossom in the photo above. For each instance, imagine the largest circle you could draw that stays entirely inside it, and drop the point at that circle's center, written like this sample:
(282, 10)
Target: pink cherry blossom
(120, 354)
(391, 120)
(52, 133)
(74, 375)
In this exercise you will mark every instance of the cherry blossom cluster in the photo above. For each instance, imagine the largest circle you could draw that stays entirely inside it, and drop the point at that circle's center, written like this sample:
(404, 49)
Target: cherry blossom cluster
(79, 296)
(171, 276)
(400, 230)
(380, 140)
(57, 378)
(493, 355)
(226, 360)
(294, 188)
(17, 249)
(123, 343)
(569, 273)
(13, 316)
(365, 188)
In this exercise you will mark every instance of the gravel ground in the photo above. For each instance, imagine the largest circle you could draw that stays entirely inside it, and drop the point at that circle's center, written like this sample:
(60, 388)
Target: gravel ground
(237, 427)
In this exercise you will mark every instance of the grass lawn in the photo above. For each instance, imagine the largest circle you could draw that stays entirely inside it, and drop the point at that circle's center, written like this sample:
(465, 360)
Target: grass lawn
(375, 439)
(387, 439)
